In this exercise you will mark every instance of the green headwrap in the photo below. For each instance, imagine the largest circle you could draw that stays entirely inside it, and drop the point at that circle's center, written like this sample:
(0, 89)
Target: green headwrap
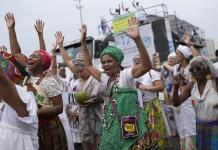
(114, 52)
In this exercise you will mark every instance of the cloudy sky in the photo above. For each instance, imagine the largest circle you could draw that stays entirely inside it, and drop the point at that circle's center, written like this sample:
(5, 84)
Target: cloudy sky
(63, 15)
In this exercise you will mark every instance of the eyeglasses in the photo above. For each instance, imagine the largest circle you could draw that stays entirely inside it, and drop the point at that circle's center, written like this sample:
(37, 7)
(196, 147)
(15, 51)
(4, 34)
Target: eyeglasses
(196, 69)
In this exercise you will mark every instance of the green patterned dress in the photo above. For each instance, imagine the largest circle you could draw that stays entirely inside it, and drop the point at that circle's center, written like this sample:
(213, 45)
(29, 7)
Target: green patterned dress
(110, 129)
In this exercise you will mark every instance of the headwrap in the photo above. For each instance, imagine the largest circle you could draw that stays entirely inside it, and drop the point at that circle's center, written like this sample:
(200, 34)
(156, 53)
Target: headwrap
(114, 52)
(11, 67)
(78, 61)
(171, 55)
(206, 64)
(185, 51)
(46, 58)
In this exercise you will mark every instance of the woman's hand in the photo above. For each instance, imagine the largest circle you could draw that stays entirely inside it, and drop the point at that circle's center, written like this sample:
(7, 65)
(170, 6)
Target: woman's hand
(133, 29)
(187, 38)
(10, 21)
(83, 32)
(39, 26)
(177, 79)
(59, 38)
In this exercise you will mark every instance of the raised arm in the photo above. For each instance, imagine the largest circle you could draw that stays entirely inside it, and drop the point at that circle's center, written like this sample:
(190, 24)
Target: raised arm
(133, 32)
(187, 40)
(87, 59)
(66, 58)
(54, 68)
(14, 45)
(9, 94)
(39, 26)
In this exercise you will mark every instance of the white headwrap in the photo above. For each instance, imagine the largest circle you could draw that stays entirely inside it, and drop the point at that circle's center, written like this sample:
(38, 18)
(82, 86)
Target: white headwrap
(171, 55)
(185, 51)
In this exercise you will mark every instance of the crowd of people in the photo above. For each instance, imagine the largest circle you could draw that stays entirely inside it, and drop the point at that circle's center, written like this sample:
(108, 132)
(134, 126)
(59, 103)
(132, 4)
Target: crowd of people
(117, 108)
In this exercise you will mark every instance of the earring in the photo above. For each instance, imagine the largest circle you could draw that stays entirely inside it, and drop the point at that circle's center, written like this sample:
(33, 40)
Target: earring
(209, 77)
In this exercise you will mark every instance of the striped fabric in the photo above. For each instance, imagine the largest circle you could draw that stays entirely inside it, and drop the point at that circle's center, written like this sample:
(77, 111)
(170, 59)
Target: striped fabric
(207, 135)
(51, 135)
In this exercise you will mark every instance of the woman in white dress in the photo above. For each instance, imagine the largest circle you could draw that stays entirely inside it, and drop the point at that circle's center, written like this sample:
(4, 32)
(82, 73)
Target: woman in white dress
(18, 111)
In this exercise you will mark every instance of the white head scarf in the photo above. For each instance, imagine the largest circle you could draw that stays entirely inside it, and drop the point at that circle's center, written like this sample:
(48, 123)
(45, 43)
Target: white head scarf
(185, 51)
(171, 55)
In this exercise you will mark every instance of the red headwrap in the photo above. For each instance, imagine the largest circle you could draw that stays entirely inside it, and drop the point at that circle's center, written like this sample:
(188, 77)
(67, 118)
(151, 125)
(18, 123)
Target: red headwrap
(46, 58)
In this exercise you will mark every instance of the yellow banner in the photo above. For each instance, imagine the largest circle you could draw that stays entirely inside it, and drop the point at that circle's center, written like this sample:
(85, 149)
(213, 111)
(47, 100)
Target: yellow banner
(121, 23)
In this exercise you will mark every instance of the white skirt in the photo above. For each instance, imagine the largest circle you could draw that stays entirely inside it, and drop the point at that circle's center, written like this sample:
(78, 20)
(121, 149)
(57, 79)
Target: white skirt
(12, 138)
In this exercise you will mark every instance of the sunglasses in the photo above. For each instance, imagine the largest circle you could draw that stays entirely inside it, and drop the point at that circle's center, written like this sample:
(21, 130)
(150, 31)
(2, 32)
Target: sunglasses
(196, 69)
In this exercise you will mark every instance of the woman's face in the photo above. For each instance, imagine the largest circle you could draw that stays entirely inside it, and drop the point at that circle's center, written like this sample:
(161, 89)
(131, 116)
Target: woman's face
(198, 71)
(171, 61)
(82, 73)
(35, 62)
(179, 56)
(110, 65)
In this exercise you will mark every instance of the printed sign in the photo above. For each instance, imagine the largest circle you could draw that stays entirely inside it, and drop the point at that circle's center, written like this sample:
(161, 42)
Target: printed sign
(120, 24)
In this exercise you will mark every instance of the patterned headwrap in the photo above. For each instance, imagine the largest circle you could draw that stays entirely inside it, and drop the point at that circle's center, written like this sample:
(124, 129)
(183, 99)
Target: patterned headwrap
(46, 58)
(206, 64)
(185, 51)
(78, 61)
(7, 63)
(114, 52)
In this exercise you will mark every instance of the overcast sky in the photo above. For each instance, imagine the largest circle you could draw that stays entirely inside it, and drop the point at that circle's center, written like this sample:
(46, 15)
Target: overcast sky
(63, 15)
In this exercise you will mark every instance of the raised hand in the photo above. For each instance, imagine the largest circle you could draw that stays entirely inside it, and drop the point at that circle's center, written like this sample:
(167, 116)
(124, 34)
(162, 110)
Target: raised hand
(133, 29)
(177, 79)
(83, 32)
(10, 21)
(59, 38)
(39, 26)
(187, 38)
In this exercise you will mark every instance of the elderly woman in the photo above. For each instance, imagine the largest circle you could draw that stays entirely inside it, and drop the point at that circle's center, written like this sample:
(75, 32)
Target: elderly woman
(123, 122)
(184, 114)
(203, 90)
(47, 92)
(18, 109)
(167, 82)
(89, 112)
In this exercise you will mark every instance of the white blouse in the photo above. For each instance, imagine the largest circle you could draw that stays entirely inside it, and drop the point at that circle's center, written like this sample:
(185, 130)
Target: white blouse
(205, 104)
(20, 132)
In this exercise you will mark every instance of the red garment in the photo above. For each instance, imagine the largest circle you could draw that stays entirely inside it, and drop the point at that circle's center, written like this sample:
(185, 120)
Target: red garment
(46, 59)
